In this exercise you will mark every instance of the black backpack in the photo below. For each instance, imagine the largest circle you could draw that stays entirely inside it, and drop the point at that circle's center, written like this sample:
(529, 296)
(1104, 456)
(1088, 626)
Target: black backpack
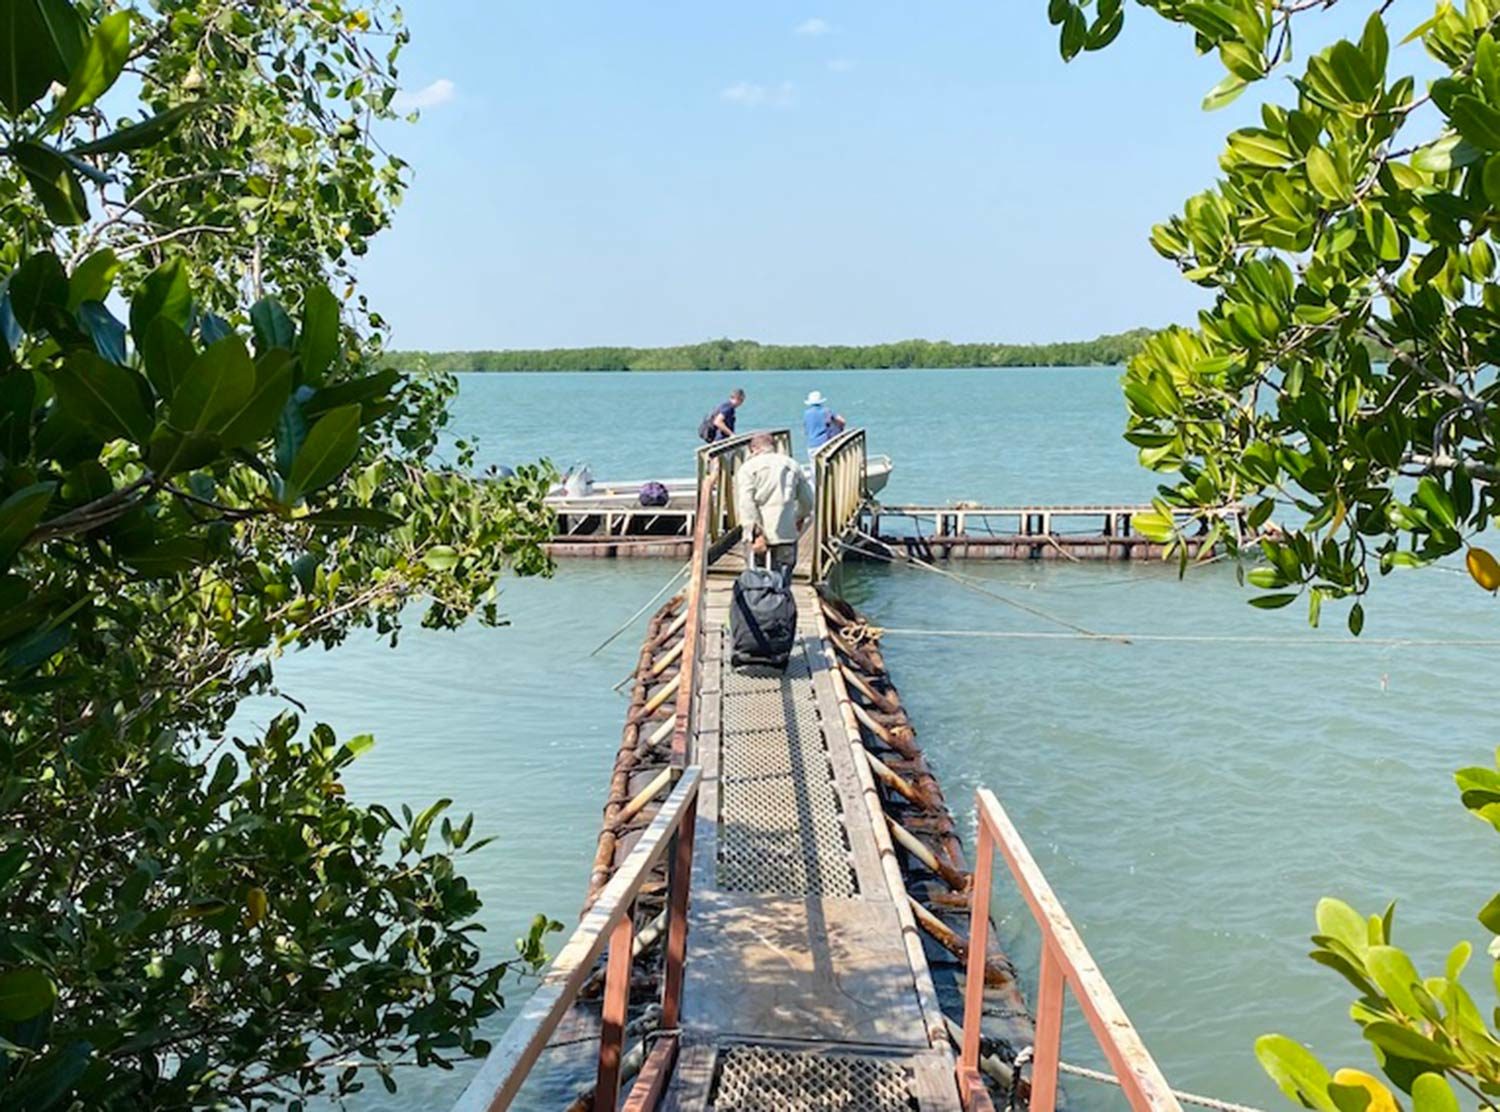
(763, 619)
(707, 432)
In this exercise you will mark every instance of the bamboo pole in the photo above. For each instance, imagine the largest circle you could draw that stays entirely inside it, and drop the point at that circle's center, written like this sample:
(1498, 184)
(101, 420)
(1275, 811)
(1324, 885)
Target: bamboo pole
(913, 845)
(645, 796)
(897, 783)
(665, 662)
(995, 974)
(895, 737)
(654, 703)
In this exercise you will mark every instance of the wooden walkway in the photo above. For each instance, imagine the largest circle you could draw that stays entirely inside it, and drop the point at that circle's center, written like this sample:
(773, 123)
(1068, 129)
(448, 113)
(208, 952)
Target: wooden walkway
(805, 986)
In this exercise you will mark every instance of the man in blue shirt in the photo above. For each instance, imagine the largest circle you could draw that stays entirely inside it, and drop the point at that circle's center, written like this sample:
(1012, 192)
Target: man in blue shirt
(819, 422)
(719, 425)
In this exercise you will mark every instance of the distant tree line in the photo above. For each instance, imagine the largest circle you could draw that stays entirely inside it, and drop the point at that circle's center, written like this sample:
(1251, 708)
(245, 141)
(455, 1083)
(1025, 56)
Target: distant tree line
(747, 355)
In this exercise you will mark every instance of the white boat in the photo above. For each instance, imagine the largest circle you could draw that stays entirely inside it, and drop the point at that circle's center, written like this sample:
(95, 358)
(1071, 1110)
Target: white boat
(681, 493)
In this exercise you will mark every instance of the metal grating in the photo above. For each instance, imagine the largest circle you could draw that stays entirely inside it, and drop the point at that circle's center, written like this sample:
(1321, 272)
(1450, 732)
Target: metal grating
(781, 825)
(758, 1079)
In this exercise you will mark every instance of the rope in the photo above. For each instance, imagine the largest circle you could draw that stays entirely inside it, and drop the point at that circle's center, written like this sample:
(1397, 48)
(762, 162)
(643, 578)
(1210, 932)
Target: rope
(1203, 638)
(1187, 1098)
(630, 621)
(964, 581)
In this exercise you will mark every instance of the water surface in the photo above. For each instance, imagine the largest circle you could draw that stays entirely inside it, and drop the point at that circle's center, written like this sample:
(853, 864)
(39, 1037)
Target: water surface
(1190, 801)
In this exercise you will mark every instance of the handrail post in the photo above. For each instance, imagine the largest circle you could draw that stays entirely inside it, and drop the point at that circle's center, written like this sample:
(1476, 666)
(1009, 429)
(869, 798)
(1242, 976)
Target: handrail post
(979, 931)
(678, 883)
(1049, 1009)
(616, 1005)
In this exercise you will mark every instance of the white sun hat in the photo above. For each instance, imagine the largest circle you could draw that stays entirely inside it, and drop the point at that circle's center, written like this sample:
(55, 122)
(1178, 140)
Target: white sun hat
(815, 398)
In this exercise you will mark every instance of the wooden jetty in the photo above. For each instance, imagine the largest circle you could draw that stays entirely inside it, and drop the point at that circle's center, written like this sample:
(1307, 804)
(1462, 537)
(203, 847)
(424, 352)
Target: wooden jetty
(780, 915)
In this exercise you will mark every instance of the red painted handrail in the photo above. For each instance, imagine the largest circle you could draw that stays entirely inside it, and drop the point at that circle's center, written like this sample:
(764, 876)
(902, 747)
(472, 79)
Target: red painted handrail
(1065, 963)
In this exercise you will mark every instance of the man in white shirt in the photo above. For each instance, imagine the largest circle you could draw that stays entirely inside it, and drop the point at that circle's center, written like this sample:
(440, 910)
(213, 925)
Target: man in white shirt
(774, 500)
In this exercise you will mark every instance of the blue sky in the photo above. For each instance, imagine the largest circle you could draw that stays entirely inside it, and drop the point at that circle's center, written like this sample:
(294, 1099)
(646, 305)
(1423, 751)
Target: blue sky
(662, 173)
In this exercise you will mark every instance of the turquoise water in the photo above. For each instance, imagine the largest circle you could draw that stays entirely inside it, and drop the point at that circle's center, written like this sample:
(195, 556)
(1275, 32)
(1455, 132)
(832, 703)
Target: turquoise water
(1189, 801)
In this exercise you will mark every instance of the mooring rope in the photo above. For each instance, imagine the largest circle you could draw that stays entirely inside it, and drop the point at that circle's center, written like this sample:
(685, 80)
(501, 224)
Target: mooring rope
(970, 584)
(1187, 1098)
(630, 621)
(1202, 638)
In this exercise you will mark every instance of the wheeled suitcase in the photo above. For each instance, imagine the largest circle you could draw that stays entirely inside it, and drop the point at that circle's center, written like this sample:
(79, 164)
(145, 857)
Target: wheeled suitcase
(762, 619)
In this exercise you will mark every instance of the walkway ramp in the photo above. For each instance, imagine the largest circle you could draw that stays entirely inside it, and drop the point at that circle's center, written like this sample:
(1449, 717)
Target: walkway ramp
(800, 988)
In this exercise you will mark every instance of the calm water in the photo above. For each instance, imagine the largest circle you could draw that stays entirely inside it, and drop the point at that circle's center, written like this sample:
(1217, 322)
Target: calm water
(1189, 801)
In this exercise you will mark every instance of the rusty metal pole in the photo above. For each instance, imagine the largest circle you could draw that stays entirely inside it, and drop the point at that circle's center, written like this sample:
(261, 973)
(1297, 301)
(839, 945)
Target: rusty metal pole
(679, 885)
(615, 1006)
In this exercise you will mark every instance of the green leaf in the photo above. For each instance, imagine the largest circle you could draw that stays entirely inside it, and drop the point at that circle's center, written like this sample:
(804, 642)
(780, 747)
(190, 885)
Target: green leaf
(1324, 175)
(1432, 1093)
(167, 354)
(273, 327)
(319, 344)
(1225, 92)
(1436, 501)
(1357, 619)
(363, 390)
(1296, 1072)
(1448, 153)
(215, 388)
(102, 397)
(1074, 33)
(107, 333)
(1272, 602)
(1338, 920)
(441, 557)
(39, 292)
(1352, 72)
(93, 278)
(25, 993)
(103, 60)
(1477, 122)
(40, 42)
(1106, 29)
(1406, 1043)
(1393, 971)
(132, 137)
(1375, 45)
(164, 293)
(330, 447)
(353, 517)
(255, 419)
(1489, 915)
(54, 182)
(19, 515)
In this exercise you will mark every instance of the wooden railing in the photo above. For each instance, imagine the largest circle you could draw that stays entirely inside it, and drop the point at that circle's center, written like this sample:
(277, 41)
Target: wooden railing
(839, 490)
(609, 923)
(717, 482)
(1065, 963)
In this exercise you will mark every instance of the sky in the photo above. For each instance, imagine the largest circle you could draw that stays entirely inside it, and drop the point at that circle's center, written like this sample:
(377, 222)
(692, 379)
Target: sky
(649, 174)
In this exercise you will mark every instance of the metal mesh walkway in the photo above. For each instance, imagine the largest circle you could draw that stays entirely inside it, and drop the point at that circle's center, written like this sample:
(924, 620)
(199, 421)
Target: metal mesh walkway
(782, 824)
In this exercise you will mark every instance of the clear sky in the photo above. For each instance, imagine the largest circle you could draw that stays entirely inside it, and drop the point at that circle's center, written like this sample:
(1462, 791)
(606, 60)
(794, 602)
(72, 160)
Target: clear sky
(668, 172)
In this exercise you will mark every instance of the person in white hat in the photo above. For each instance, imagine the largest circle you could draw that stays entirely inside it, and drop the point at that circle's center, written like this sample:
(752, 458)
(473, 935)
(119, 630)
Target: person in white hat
(821, 423)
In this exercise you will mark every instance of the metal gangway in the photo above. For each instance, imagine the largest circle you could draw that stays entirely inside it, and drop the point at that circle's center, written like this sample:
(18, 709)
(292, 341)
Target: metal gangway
(793, 970)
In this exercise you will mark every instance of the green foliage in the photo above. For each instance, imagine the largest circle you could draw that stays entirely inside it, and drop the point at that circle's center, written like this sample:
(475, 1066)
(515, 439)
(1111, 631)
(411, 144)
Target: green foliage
(193, 918)
(1336, 232)
(747, 355)
(1427, 1032)
(1341, 226)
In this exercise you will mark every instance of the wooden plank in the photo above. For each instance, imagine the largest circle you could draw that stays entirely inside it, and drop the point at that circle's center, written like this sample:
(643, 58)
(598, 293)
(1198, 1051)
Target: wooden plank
(504, 1071)
(822, 970)
(651, 1083)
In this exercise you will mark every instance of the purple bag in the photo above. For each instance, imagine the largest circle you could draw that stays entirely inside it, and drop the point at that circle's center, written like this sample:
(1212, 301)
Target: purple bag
(654, 494)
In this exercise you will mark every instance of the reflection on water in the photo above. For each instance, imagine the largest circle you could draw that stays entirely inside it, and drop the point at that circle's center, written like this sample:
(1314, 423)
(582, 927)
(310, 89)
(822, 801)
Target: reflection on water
(1190, 801)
